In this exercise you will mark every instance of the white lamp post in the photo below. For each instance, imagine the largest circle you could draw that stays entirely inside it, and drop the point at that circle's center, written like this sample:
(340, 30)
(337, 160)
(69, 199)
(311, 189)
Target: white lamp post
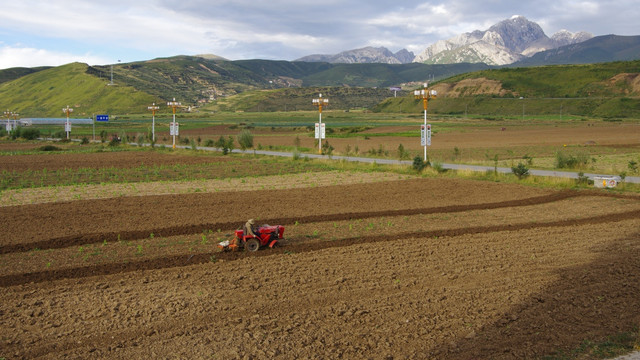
(174, 104)
(425, 95)
(153, 109)
(67, 125)
(8, 114)
(320, 102)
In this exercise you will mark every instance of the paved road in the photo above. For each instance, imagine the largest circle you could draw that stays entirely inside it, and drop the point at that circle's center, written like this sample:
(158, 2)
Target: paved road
(550, 173)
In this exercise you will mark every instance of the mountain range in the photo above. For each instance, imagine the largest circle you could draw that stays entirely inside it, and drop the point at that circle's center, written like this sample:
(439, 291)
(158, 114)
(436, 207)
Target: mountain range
(504, 43)
(364, 55)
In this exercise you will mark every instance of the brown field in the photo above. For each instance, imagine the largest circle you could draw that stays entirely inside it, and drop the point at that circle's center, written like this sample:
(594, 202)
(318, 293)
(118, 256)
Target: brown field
(373, 266)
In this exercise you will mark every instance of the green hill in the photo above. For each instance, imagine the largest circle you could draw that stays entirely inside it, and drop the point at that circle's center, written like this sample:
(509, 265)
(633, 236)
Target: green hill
(292, 99)
(18, 72)
(607, 90)
(607, 48)
(46, 92)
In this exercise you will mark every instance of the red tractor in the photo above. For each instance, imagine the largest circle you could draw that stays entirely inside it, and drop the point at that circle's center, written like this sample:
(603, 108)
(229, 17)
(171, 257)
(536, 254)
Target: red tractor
(267, 235)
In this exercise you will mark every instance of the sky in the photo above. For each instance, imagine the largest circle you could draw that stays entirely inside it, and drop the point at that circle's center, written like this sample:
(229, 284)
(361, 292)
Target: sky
(56, 32)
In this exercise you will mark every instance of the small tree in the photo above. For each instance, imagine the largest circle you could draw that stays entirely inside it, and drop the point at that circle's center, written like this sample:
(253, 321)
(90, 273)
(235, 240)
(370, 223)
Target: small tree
(418, 164)
(30, 133)
(403, 154)
(245, 139)
(633, 166)
(521, 170)
(326, 148)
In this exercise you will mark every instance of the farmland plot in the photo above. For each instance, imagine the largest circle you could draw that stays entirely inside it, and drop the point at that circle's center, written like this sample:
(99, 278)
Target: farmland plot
(390, 267)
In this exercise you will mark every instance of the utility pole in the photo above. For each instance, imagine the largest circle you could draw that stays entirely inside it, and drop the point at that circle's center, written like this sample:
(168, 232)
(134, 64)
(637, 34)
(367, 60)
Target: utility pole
(425, 95)
(320, 133)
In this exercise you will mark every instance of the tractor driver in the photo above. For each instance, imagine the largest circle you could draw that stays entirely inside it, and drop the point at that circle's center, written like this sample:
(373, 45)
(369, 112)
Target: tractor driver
(250, 229)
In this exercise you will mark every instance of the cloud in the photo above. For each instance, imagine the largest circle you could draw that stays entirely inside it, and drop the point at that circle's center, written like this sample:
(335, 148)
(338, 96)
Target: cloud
(278, 29)
(12, 56)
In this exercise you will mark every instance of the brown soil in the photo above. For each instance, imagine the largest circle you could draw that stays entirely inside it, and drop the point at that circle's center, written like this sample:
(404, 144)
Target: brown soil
(445, 269)
(471, 87)
(116, 159)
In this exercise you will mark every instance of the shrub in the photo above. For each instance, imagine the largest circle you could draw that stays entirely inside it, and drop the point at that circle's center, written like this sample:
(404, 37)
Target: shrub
(326, 148)
(245, 139)
(209, 143)
(438, 167)
(419, 165)
(140, 139)
(521, 170)
(403, 154)
(29, 133)
(49, 148)
(84, 141)
(226, 145)
(570, 161)
(582, 179)
(633, 166)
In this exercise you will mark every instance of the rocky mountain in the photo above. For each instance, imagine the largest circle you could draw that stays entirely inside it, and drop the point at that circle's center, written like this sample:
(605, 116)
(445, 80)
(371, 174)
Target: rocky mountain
(365, 55)
(504, 43)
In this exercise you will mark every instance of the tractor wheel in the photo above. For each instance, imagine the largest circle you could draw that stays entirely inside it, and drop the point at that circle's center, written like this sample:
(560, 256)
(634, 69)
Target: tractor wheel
(252, 245)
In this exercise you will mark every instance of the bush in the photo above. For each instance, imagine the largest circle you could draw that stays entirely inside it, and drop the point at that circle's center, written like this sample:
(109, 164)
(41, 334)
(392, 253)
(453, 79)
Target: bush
(245, 139)
(209, 143)
(49, 148)
(582, 179)
(438, 167)
(226, 145)
(418, 164)
(30, 133)
(326, 148)
(521, 171)
(570, 161)
(84, 141)
(403, 154)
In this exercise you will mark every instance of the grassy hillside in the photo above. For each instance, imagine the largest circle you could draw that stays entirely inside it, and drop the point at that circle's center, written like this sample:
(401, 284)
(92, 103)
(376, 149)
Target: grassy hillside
(383, 75)
(559, 80)
(605, 90)
(18, 72)
(46, 92)
(599, 49)
(292, 99)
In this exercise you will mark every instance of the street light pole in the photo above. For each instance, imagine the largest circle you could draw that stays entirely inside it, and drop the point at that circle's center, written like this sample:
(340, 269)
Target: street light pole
(15, 120)
(425, 95)
(320, 102)
(174, 104)
(8, 115)
(67, 126)
(153, 109)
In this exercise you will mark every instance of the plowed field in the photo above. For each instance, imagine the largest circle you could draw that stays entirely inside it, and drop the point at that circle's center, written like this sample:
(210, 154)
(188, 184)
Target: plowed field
(393, 268)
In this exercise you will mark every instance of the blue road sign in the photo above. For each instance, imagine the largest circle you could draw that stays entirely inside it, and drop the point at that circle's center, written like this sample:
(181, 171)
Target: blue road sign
(102, 117)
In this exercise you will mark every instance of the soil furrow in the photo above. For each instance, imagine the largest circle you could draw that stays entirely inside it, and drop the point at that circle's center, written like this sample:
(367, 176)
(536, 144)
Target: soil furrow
(184, 260)
(85, 239)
